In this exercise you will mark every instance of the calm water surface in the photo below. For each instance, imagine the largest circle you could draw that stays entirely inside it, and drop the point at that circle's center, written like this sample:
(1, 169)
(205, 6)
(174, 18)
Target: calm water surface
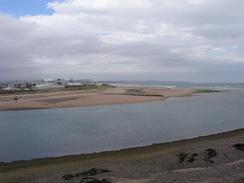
(32, 134)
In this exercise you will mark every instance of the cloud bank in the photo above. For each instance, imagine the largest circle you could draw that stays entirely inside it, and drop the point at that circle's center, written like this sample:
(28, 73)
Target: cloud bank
(191, 40)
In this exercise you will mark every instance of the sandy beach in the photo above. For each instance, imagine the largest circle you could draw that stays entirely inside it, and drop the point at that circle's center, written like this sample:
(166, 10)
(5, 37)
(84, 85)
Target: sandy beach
(82, 98)
(211, 159)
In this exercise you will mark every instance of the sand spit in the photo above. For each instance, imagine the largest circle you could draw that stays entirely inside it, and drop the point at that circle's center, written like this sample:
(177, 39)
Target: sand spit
(120, 95)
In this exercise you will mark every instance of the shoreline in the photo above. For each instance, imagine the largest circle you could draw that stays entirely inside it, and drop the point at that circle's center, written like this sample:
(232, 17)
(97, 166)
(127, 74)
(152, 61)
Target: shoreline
(140, 159)
(82, 106)
(136, 149)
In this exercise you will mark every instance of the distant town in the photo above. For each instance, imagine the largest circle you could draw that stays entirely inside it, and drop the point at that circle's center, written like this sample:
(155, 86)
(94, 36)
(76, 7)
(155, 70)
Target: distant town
(46, 84)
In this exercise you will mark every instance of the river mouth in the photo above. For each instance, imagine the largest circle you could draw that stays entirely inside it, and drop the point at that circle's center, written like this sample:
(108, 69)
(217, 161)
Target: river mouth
(26, 135)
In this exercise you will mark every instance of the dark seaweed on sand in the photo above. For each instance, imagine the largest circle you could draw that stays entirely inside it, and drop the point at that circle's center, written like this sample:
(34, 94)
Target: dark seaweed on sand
(87, 176)
(192, 157)
(93, 180)
(239, 147)
(210, 154)
(182, 157)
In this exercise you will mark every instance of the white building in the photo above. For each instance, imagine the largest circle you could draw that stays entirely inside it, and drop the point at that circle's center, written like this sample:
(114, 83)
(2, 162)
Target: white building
(10, 88)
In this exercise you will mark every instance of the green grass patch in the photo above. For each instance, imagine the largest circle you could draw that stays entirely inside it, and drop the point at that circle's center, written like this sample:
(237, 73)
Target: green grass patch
(89, 87)
(206, 91)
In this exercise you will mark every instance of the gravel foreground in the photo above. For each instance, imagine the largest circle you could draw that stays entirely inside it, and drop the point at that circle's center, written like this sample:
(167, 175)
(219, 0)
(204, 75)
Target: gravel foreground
(210, 159)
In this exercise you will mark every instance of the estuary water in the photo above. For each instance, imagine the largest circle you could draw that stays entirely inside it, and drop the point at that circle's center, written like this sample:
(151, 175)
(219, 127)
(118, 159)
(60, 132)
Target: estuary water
(30, 134)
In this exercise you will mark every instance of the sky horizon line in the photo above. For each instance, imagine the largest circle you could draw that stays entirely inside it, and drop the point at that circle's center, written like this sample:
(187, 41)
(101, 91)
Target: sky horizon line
(124, 81)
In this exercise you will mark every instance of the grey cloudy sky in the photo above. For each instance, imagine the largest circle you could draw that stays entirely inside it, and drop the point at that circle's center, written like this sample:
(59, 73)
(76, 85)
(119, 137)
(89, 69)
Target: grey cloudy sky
(190, 40)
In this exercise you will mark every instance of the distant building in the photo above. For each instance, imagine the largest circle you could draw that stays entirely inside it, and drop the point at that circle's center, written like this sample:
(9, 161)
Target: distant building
(48, 80)
(77, 83)
(60, 82)
(10, 88)
(47, 86)
(42, 86)
(73, 84)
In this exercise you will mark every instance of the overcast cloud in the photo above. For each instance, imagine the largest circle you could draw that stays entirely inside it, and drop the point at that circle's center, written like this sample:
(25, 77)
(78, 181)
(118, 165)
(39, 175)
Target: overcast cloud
(191, 40)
